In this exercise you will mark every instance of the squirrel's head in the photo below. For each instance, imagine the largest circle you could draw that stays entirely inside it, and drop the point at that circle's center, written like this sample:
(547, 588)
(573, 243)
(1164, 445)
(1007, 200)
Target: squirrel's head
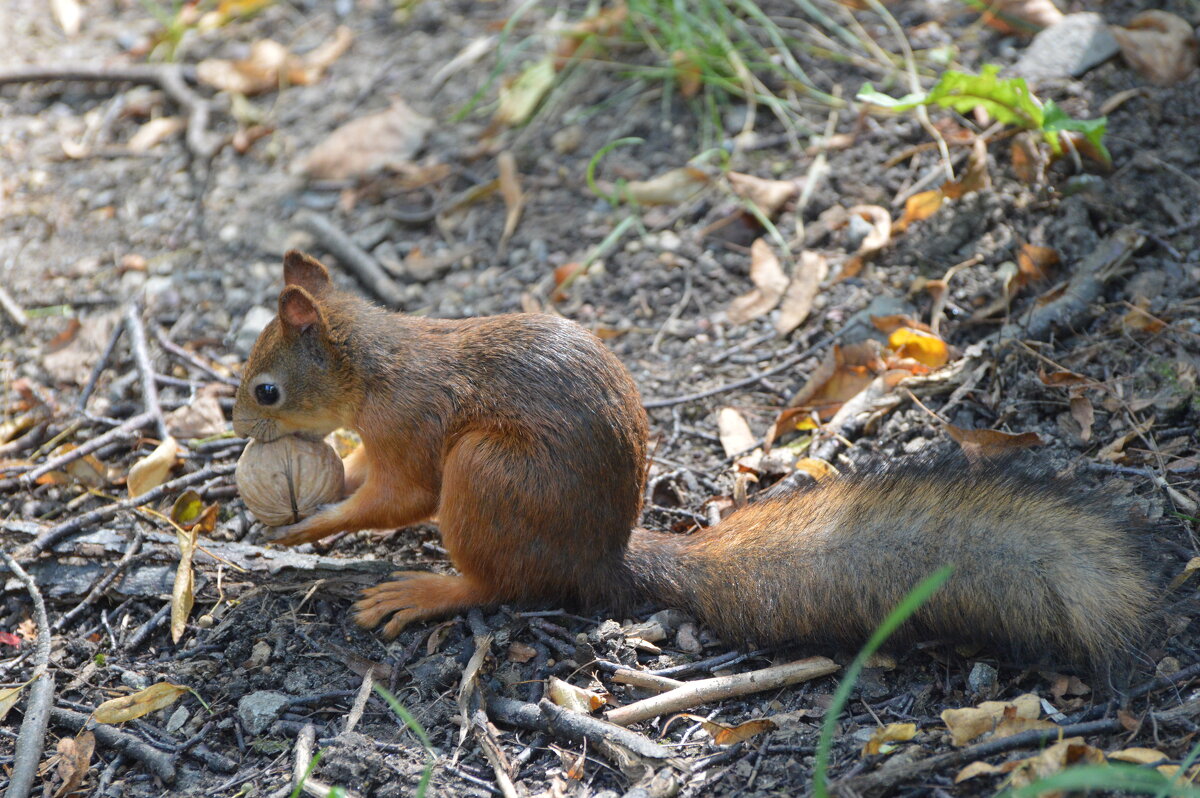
(295, 380)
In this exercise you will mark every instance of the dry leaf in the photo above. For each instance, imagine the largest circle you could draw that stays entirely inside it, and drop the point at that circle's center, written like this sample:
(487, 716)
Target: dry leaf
(970, 722)
(520, 97)
(688, 74)
(768, 195)
(151, 471)
(842, 374)
(881, 228)
(381, 141)
(723, 734)
(1115, 451)
(1028, 162)
(72, 364)
(919, 207)
(810, 271)
(520, 652)
(155, 131)
(976, 177)
(734, 432)
(74, 761)
(182, 593)
(677, 185)
(1007, 15)
(769, 280)
(817, 469)
(143, 702)
(891, 733)
(9, 697)
(1060, 379)
(603, 23)
(923, 347)
(270, 64)
(1034, 264)
(1140, 320)
(1138, 756)
(980, 768)
(576, 699)
(1159, 45)
(68, 14)
(1084, 415)
(982, 443)
(510, 189)
(1192, 566)
(200, 418)
(1072, 751)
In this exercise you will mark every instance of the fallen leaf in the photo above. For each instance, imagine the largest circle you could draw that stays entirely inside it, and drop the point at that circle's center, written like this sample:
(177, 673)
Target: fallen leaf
(734, 432)
(74, 761)
(1060, 379)
(270, 65)
(1072, 751)
(187, 508)
(881, 227)
(1021, 16)
(387, 140)
(725, 735)
(1084, 415)
(576, 699)
(1190, 568)
(603, 23)
(9, 639)
(1114, 452)
(1159, 45)
(68, 14)
(982, 443)
(891, 733)
(923, 347)
(87, 470)
(520, 652)
(919, 207)
(768, 195)
(1139, 319)
(975, 178)
(842, 374)
(809, 272)
(510, 190)
(669, 188)
(970, 722)
(9, 697)
(200, 418)
(1034, 263)
(769, 280)
(1138, 756)
(182, 592)
(980, 768)
(816, 468)
(687, 73)
(1028, 162)
(151, 471)
(72, 364)
(155, 131)
(135, 705)
(520, 97)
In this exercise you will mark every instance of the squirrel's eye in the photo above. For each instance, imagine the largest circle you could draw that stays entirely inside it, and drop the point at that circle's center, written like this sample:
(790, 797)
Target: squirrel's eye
(267, 393)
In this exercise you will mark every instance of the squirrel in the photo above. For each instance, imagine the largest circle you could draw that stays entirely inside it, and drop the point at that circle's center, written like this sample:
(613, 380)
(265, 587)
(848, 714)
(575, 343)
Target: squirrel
(526, 438)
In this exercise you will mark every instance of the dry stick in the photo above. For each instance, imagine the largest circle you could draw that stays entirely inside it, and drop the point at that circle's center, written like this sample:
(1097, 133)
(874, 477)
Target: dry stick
(13, 308)
(501, 767)
(573, 726)
(884, 780)
(100, 366)
(693, 694)
(171, 78)
(161, 764)
(80, 522)
(753, 378)
(103, 583)
(351, 255)
(191, 358)
(84, 449)
(31, 738)
(141, 354)
(646, 681)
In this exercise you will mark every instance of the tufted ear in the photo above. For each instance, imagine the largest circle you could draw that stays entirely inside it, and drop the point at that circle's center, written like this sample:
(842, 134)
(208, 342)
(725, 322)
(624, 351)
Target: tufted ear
(298, 310)
(305, 271)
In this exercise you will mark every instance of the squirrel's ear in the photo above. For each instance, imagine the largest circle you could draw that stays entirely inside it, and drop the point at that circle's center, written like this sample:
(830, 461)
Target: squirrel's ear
(297, 309)
(305, 271)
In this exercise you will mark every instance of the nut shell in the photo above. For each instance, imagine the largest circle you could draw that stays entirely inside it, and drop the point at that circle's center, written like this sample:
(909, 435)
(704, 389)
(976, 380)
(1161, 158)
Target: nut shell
(289, 478)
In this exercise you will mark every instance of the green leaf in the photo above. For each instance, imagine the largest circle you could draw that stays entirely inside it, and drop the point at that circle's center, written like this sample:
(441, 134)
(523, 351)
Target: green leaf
(1006, 100)
(868, 94)
(1056, 121)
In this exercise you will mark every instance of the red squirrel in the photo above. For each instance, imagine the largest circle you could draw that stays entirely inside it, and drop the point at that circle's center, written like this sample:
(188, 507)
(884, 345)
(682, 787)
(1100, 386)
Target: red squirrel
(526, 438)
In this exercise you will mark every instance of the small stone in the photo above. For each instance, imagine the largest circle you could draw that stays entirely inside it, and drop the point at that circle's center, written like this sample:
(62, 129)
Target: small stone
(983, 680)
(253, 323)
(178, 718)
(688, 639)
(258, 710)
(1067, 48)
(567, 140)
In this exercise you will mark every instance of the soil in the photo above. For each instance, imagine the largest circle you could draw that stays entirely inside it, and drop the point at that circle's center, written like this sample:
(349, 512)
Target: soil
(86, 226)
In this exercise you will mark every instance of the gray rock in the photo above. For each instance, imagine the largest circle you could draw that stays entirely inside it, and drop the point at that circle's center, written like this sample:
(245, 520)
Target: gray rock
(983, 680)
(1068, 48)
(257, 711)
(178, 718)
(253, 323)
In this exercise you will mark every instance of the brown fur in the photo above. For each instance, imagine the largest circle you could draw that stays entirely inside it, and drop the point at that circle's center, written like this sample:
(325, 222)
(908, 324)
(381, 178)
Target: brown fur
(527, 439)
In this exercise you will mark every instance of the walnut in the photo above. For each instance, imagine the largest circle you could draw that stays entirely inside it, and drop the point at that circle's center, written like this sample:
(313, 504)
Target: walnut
(288, 478)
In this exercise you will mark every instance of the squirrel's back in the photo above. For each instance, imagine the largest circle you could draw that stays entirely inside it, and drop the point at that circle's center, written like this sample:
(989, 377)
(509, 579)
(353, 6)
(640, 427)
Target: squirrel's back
(1040, 568)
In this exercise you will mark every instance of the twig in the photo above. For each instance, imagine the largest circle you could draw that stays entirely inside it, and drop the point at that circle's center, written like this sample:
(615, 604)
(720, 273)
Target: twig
(171, 78)
(100, 366)
(485, 735)
(84, 449)
(753, 378)
(148, 628)
(191, 358)
(646, 681)
(80, 522)
(13, 308)
(574, 726)
(360, 701)
(141, 354)
(31, 738)
(103, 583)
(693, 694)
(161, 764)
(352, 256)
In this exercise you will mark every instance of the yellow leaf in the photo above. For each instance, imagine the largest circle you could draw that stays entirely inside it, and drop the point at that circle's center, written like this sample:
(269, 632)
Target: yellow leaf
(732, 735)
(182, 595)
(519, 99)
(925, 348)
(976, 769)
(1138, 756)
(920, 206)
(1192, 566)
(187, 508)
(151, 471)
(9, 696)
(668, 188)
(970, 722)
(891, 733)
(143, 702)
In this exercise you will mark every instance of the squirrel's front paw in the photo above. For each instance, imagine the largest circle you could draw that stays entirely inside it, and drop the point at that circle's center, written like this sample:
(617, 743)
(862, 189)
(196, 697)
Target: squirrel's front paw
(416, 596)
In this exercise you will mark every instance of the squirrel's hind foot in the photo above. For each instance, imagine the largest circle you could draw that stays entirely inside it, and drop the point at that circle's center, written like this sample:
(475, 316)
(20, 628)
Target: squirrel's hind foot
(416, 596)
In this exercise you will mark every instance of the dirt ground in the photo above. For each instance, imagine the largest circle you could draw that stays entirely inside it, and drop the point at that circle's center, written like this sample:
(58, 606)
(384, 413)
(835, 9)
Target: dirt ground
(87, 227)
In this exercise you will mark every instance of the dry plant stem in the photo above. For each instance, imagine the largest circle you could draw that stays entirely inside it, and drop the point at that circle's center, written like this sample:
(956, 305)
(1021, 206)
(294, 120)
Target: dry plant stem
(305, 741)
(161, 764)
(646, 681)
(885, 781)
(81, 522)
(84, 449)
(103, 583)
(171, 78)
(693, 694)
(360, 702)
(12, 308)
(190, 358)
(791, 362)
(486, 738)
(351, 256)
(141, 354)
(31, 738)
(572, 726)
(100, 366)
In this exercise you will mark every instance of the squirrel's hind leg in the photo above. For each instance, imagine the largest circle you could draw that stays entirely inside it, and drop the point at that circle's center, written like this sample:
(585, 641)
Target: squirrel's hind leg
(416, 596)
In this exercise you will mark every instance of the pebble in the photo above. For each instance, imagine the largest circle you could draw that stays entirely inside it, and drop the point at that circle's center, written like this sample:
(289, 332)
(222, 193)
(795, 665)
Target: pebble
(1068, 48)
(258, 710)
(257, 318)
(983, 680)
